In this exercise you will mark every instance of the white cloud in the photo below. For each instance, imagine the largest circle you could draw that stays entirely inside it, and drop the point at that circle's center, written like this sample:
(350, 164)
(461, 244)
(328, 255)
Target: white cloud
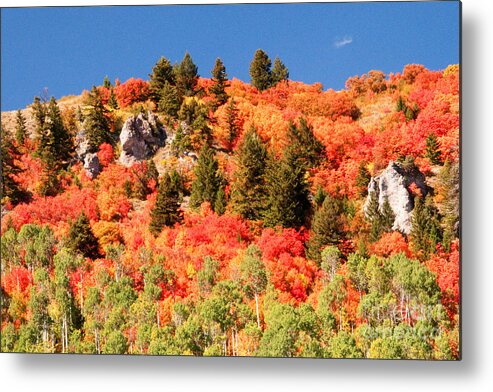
(339, 43)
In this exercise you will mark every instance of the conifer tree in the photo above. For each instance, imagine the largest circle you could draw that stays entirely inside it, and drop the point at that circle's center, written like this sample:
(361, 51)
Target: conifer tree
(220, 82)
(363, 179)
(11, 190)
(112, 101)
(20, 128)
(426, 232)
(287, 192)
(186, 75)
(305, 147)
(169, 102)
(327, 227)
(433, 149)
(279, 72)
(162, 74)
(248, 191)
(260, 70)
(62, 142)
(81, 239)
(207, 178)
(166, 211)
(232, 123)
(220, 203)
(96, 123)
(106, 82)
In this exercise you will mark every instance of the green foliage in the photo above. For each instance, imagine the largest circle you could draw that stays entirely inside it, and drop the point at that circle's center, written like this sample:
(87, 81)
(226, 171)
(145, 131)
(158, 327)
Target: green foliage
(279, 72)
(81, 239)
(343, 345)
(220, 203)
(260, 72)
(166, 211)
(426, 231)
(169, 101)
(287, 192)
(96, 124)
(116, 343)
(161, 76)
(186, 77)
(432, 151)
(327, 227)
(207, 178)
(20, 128)
(363, 179)
(381, 219)
(220, 82)
(10, 190)
(248, 188)
(304, 146)
(232, 123)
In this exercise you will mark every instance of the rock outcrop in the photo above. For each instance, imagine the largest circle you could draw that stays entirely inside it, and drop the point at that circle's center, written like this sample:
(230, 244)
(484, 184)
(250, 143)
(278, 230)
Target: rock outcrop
(140, 138)
(393, 184)
(92, 165)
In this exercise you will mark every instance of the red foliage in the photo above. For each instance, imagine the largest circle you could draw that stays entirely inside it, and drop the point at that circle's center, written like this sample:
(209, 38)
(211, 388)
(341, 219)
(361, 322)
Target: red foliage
(105, 154)
(133, 90)
(19, 279)
(390, 244)
(273, 243)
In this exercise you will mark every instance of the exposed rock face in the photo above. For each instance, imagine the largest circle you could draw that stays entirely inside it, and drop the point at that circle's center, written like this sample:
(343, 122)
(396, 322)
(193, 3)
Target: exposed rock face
(392, 184)
(92, 165)
(140, 138)
(81, 145)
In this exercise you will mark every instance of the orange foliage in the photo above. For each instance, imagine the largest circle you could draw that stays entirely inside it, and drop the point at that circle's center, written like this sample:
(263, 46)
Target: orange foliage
(133, 90)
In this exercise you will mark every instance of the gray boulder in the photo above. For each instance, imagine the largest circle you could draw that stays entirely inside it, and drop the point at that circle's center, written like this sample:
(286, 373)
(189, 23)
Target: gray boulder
(92, 165)
(393, 184)
(140, 138)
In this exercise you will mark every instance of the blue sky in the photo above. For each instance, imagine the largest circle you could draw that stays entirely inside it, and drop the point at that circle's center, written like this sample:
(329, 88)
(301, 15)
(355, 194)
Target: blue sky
(68, 49)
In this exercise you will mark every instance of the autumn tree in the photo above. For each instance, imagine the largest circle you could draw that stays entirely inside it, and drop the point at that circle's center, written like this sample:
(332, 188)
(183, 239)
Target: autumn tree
(207, 178)
(260, 70)
(279, 72)
(220, 82)
(248, 188)
(166, 211)
(81, 239)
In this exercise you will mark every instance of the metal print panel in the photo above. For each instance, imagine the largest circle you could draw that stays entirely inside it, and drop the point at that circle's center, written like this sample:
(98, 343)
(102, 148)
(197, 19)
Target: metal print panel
(269, 180)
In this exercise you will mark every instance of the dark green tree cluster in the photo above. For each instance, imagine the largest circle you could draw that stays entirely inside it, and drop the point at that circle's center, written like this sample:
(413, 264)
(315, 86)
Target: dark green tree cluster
(411, 112)
(261, 73)
(97, 127)
(11, 189)
(426, 231)
(81, 239)
(220, 82)
(381, 218)
(20, 129)
(432, 151)
(166, 211)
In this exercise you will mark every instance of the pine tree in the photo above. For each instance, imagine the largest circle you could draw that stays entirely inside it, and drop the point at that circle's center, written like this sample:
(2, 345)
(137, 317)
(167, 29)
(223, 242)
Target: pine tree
(279, 72)
(260, 70)
(112, 101)
(327, 227)
(11, 190)
(248, 193)
(162, 74)
(20, 129)
(186, 75)
(96, 124)
(449, 180)
(287, 192)
(426, 232)
(169, 102)
(220, 82)
(433, 149)
(232, 123)
(81, 239)
(363, 179)
(220, 203)
(304, 145)
(106, 82)
(387, 216)
(62, 141)
(166, 211)
(207, 178)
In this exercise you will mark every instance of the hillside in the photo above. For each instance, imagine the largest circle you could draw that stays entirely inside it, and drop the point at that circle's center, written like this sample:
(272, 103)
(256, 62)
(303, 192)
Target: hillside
(187, 215)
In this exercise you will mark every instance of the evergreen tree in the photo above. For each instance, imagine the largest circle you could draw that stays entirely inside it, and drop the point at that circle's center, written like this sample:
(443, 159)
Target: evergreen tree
(449, 180)
(304, 145)
(220, 203)
(260, 70)
(81, 239)
(106, 82)
(387, 216)
(187, 76)
(62, 141)
(232, 123)
(433, 149)
(279, 72)
(20, 129)
(207, 178)
(381, 218)
(220, 82)
(162, 74)
(169, 102)
(11, 190)
(363, 179)
(112, 101)
(166, 211)
(287, 192)
(248, 191)
(327, 227)
(426, 232)
(96, 124)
